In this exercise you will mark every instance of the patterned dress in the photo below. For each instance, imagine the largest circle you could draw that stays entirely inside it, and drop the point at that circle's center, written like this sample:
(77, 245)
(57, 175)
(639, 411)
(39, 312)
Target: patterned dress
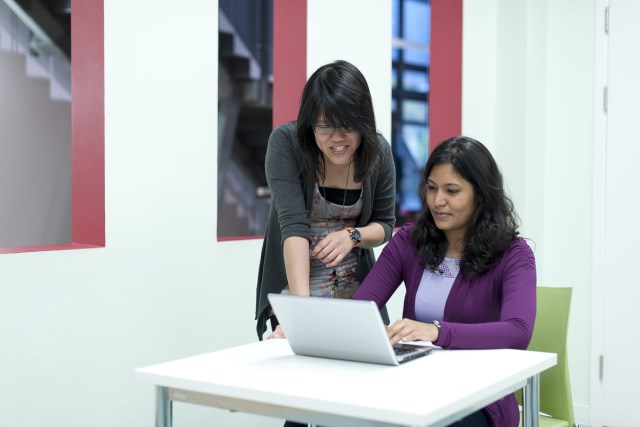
(327, 217)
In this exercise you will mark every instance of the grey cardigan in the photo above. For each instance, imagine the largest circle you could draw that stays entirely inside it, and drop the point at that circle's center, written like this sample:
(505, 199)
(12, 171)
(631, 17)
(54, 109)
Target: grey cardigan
(291, 198)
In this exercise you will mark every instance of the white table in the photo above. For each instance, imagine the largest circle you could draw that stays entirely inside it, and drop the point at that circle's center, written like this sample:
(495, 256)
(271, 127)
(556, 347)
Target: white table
(266, 378)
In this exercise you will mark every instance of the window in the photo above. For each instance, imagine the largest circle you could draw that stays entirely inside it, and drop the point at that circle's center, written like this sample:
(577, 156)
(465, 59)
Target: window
(245, 110)
(87, 122)
(410, 107)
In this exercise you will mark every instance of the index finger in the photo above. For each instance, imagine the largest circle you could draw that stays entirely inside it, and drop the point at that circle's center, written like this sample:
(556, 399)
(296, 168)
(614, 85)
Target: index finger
(395, 332)
(318, 247)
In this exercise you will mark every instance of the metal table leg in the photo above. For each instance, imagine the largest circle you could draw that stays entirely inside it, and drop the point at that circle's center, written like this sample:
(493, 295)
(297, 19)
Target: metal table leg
(163, 407)
(531, 402)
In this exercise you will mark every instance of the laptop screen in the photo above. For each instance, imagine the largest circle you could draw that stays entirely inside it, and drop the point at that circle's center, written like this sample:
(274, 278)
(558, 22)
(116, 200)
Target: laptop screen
(338, 329)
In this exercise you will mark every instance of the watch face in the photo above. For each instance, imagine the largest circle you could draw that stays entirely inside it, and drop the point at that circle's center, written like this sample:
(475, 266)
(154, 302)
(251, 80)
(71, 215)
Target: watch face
(355, 236)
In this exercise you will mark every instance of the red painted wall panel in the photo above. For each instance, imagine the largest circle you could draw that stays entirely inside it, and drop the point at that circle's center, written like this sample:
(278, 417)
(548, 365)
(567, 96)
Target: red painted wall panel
(87, 112)
(445, 97)
(289, 58)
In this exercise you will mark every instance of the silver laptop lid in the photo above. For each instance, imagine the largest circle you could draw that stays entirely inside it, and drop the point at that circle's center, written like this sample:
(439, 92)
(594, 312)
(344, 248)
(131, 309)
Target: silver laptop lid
(334, 328)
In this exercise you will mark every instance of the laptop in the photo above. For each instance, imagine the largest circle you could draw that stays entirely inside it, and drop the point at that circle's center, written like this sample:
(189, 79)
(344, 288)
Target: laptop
(342, 329)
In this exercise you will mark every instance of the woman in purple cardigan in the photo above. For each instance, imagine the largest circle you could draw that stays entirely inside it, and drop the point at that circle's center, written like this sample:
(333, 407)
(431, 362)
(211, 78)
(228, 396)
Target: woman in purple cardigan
(470, 281)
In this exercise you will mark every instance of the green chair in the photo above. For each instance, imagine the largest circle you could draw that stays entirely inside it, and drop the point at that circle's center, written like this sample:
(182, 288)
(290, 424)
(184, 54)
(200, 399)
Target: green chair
(550, 335)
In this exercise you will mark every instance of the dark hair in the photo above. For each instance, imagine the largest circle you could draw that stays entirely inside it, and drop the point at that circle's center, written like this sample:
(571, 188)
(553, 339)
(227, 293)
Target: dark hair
(340, 92)
(494, 223)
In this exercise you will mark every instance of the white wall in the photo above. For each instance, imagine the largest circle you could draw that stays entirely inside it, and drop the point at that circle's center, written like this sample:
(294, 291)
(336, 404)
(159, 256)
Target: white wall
(75, 324)
(358, 31)
(528, 90)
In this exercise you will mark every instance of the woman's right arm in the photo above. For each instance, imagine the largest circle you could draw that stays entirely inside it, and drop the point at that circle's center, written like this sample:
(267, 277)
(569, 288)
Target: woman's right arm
(296, 262)
(284, 176)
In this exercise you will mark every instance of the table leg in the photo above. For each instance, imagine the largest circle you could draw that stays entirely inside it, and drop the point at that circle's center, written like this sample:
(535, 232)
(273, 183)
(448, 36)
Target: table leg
(163, 408)
(531, 402)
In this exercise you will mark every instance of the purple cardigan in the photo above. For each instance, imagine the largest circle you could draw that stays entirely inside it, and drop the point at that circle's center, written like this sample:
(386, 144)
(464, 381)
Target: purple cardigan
(494, 310)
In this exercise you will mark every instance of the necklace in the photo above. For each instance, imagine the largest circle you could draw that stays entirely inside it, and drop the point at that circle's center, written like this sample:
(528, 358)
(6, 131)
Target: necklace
(344, 199)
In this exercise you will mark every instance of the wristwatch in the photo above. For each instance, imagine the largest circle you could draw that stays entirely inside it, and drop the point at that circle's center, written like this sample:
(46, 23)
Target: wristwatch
(355, 235)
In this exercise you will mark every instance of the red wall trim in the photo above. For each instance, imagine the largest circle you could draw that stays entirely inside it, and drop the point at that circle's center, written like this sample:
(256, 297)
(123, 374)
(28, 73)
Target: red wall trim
(87, 53)
(289, 58)
(87, 129)
(445, 96)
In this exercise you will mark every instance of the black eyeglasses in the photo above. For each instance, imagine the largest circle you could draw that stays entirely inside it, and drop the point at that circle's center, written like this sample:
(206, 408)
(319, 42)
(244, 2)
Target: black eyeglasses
(328, 130)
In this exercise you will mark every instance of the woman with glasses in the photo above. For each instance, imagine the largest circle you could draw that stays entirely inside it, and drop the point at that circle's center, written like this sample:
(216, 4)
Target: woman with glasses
(332, 182)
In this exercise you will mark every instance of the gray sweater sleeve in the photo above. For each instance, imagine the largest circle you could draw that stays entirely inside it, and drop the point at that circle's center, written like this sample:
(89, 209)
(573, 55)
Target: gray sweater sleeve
(283, 167)
(382, 193)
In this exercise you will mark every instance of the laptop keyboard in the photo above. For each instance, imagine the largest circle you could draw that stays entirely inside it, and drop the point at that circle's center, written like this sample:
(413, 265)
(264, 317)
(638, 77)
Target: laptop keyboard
(401, 350)
(404, 353)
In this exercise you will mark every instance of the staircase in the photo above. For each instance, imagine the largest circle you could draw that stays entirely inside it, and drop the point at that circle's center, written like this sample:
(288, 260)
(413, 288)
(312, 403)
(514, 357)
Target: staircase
(35, 164)
(245, 111)
(35, 124)
(16, 37)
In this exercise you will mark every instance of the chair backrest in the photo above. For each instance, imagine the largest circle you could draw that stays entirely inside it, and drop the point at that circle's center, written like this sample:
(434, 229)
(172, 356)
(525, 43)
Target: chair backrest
(550, 335)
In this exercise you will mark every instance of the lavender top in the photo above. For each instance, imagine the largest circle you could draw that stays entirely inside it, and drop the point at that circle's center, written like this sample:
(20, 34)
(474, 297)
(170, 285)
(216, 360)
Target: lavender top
(494, 310)
(434, 289)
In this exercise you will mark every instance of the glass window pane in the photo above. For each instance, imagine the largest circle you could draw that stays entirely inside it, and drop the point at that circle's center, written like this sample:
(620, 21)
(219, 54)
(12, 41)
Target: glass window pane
(395, 23)
(410, 150)
(415, 81)
(416, 139)
(417, 22)
(410, 101)
(420, 57)
(415, 111)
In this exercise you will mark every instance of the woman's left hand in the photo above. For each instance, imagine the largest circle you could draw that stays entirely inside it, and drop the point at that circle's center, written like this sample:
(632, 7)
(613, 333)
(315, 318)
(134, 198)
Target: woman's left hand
(412, 330)
(334, 248)
(277, 334)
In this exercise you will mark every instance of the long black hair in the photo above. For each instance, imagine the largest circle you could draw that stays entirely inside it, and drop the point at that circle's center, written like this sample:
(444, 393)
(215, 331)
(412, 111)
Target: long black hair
(340, 93)
(494, 223)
